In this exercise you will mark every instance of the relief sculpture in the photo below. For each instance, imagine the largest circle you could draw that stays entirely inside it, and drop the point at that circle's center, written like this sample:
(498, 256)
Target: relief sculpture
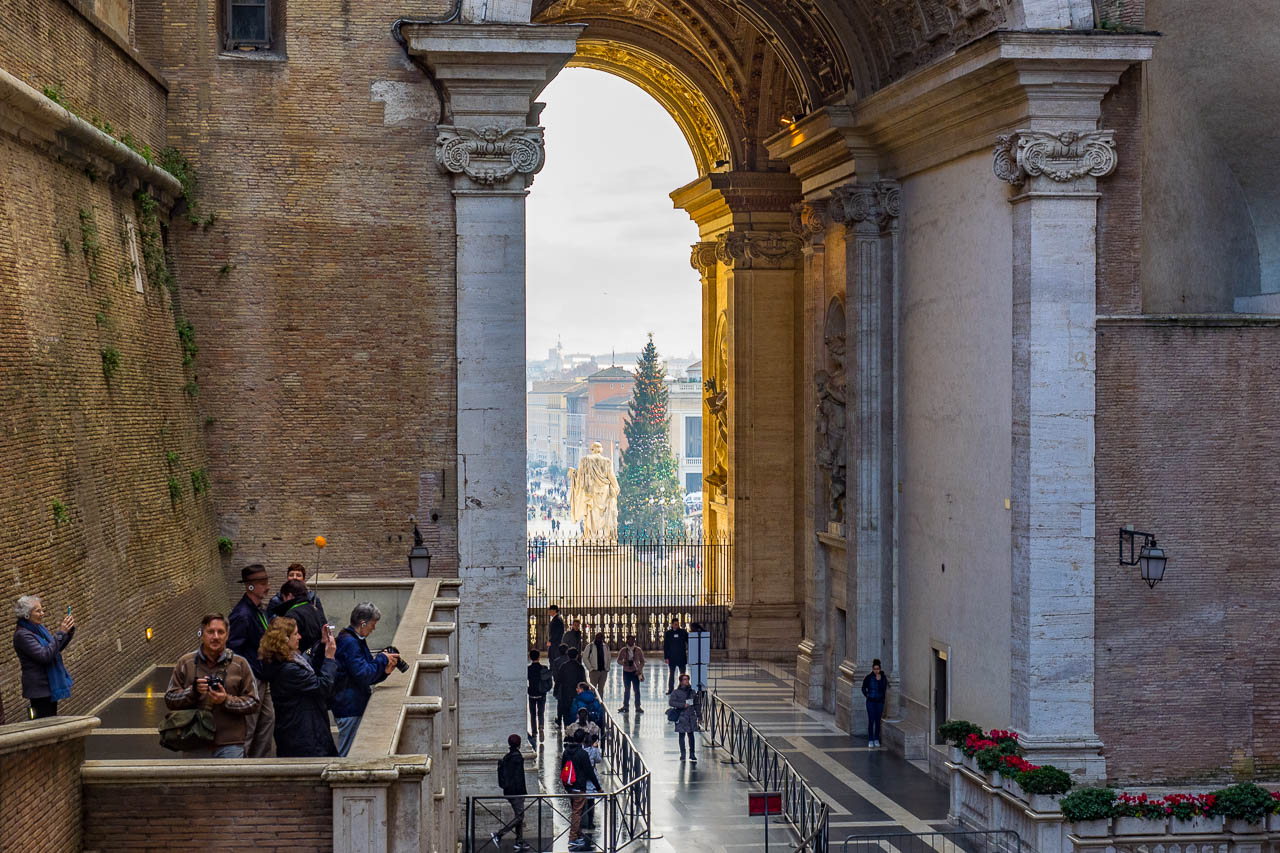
(832, 398)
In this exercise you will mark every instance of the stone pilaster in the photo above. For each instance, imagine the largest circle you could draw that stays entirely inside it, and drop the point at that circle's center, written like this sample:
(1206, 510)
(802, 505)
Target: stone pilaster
(492, 148)
(1053, 173)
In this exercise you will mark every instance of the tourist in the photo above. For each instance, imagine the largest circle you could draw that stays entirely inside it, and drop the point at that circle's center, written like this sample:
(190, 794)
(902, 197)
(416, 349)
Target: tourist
(573, 637)
(591, 743)
(576, 773)
(296, 572)
(512, 782)
(567, 678)
(585, 699)
(540, 683)
(555, 629)
(300, 689)
(675, 651)
(358, 669)
(45, 680)
(247, 625)
(597, 663)
(631, 658)
(874, 687)
(559, 654)
(217, 679)
(582, 722)
(687, 712)
(295, 604)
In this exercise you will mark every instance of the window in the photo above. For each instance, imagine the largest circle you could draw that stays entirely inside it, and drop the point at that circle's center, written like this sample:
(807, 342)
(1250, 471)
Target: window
(693, 482)
(248, 24)
(693, 437)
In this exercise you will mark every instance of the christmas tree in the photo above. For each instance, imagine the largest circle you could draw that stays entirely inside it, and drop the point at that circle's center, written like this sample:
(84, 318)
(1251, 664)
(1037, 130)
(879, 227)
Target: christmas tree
(650, 503)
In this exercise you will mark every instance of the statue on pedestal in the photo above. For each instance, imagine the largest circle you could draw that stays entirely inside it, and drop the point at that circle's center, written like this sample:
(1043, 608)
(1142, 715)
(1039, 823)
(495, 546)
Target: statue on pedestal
(593, 496)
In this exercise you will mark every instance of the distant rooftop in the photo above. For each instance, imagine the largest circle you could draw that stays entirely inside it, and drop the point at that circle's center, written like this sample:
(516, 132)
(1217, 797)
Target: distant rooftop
(612, 373)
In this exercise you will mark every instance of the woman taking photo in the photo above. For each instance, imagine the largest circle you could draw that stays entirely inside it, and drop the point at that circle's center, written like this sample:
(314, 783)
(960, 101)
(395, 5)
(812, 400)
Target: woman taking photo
(45, 680)
(301, 694)
(685, 713)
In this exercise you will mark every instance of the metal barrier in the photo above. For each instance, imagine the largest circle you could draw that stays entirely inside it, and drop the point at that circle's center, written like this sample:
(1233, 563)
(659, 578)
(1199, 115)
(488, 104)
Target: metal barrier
(624, 813)
(801, 806)
(979, 841)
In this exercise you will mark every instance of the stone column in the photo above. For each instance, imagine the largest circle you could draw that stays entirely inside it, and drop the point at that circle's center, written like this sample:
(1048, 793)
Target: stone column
(492, 148)
(869, 212)
(1054, 175)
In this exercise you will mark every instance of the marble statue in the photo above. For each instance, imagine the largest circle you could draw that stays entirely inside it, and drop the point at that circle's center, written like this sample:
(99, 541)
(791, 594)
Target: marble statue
(832, 399)
(593, 496)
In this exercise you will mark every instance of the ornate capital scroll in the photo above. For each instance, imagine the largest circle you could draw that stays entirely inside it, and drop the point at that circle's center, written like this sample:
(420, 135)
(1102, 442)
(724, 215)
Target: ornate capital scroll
(876, 204)
(809, 219)
(757, 249)
(489, 155)
(703, 258)
(1062, 157)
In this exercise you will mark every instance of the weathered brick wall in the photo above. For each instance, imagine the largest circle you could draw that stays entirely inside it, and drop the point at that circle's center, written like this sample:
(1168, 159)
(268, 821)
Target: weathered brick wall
(59, 43)
(40, 798)
(1120, 206)
(118, 551)
(325, 288)
(267, 816)
(1188, 677)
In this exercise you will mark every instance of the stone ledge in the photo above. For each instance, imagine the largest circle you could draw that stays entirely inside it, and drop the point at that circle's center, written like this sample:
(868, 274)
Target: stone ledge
(212, 770)
(1201, 321)
(33, 734)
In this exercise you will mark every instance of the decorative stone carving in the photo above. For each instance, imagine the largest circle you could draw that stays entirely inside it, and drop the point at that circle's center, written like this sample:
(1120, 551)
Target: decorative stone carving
(808, 219)
(751, 249)
(1060, 157)
(832, 383)
(703, 257)
(878, 203)
(593, 496)
(490, 155)
(716, 398)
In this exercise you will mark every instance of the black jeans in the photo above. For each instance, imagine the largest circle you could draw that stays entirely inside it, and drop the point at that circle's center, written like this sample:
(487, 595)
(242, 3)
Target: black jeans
(43, 708)
(630, 680)
(683, 736)
(875, 710)
(538, 713)
(671, 673)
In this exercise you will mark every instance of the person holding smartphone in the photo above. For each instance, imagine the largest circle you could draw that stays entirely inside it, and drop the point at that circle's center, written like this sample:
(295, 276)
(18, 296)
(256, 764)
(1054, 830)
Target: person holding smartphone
(686, 713)
(45, 680)
(299, 689)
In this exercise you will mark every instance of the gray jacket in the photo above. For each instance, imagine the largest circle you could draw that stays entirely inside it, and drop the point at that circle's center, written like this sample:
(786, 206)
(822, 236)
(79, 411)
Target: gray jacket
(689, 715)
(35, 659)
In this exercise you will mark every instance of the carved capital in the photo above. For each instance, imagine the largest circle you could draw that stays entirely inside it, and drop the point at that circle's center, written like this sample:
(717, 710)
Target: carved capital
(489, 155)
(809, 219)
(703, 258)
(877, 204)
(1060, 157)
(757, 249)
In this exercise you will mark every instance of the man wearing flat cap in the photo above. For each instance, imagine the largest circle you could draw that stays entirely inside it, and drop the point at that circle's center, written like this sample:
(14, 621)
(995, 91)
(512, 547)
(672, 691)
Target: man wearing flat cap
(248, 624)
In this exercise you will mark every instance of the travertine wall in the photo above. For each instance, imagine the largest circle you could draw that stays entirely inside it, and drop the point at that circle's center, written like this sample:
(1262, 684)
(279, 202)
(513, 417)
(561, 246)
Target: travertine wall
(328, 275)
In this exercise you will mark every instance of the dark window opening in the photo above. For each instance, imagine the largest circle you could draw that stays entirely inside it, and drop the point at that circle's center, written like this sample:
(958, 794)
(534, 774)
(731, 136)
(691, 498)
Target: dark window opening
(248, 24)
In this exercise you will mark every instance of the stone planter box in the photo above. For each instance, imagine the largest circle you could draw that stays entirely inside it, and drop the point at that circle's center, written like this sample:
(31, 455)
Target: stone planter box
(1091, 828)
(1139, 826)
(1244, 827)
(1273, 823)
(1195, 825)
(995, 780)
(972, 763)
(1014, 788)
(1044, 802)
(957, 755)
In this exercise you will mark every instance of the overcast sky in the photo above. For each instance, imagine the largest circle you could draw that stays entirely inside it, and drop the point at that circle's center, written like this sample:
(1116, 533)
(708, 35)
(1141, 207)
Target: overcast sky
(608, 253)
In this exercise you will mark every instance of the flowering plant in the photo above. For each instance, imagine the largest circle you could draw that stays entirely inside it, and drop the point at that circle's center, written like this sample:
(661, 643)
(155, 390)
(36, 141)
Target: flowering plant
(1138, 805)
(991, 759)
(999, 735)
(1189, 806)
(975, 743)
(1012, 765)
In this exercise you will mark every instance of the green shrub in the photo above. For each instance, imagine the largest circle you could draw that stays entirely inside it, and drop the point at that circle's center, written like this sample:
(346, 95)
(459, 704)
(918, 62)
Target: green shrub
(110, 362)
(990, 759)
(226, 546)
(1245, 801)
(199, 481)
(1045, 780)
(175, 491)
(59, 511)
(1087, 804)
(955, 731)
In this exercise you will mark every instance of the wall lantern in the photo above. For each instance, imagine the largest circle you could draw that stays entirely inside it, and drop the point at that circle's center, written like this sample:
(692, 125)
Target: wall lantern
(149, 634)
(419, 556)
(1150, 558)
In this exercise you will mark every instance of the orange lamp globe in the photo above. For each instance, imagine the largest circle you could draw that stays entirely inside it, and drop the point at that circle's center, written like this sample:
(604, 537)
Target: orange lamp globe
(320, 542)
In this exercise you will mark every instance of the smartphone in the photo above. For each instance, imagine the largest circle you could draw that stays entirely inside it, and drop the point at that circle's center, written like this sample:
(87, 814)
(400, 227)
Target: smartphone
(68, 609)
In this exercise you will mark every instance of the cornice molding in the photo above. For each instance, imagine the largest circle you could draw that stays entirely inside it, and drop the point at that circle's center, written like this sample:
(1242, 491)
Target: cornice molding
(490, 155)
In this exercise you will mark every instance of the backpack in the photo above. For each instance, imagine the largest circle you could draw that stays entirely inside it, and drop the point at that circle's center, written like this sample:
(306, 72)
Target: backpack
(546, 680)
(568, 775)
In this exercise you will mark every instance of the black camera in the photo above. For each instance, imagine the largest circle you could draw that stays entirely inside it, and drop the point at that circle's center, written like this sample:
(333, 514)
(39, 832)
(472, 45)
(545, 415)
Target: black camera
(216, 682)
(400, 664)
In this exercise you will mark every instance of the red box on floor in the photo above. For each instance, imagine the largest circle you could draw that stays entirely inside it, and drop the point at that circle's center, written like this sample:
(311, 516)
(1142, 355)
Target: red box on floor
(764, 802)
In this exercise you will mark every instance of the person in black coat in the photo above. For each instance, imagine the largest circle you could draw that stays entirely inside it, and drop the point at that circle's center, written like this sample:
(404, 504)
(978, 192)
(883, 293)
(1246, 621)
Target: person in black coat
(570, 674)
(585, 774)
(511, 781)
(246, 626)
(300, 691)
(555, 631)
(537, 691)
(675, 651)
(295, 604)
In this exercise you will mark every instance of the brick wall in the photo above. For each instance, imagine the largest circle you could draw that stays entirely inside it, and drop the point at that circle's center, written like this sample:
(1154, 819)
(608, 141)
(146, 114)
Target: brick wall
(326, 284)
(1120, 206)
(1188, 677)
(40, 798)
(266, 816)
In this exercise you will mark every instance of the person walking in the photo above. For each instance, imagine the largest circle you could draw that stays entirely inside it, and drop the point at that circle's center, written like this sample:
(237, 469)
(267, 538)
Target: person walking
(570, 674)
(685, 711)
(576, 773)
(631, 659)
(247, 625)
(675, 651)
(45, 680)
(300, 689)
(511, 781)
(597, 661)
(541, 682)
(573, 637)
(875, 687)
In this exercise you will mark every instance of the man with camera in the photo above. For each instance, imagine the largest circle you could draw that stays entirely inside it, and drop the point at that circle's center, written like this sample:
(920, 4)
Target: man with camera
(358, 671)
(215, 678)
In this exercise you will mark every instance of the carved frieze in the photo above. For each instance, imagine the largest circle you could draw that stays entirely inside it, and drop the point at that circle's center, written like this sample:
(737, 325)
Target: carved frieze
(489, 155)
(1060, 157)
(809, 219)
(757, 249)
(878, 203)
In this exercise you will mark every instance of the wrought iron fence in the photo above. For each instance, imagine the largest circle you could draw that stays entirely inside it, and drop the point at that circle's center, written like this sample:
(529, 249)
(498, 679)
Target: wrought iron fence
(801, 806)
(632, 587)
(977, 841)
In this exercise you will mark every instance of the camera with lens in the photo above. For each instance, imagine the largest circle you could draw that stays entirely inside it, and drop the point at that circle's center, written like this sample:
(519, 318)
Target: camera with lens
(400, 664)
(215, 682)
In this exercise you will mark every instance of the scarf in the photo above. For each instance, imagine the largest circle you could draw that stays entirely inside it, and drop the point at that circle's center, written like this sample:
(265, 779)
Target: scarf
(59, 678)
(303, 661)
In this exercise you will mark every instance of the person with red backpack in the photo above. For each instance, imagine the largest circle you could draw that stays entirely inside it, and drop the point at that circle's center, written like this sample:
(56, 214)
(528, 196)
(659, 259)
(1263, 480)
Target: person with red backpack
(576, 772)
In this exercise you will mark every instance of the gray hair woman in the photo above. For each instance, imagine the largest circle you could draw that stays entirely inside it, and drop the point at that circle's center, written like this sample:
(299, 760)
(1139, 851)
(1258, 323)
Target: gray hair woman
(360, 670)
(45, 680)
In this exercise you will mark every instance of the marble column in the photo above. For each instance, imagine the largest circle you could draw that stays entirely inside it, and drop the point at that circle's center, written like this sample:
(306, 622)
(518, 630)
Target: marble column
(1053, 173)
(491, 147)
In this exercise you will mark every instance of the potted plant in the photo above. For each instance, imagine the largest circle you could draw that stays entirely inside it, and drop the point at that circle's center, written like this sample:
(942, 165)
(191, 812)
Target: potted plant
(1273, 816)
(1012, 768)
(1044, 786)
(1245, 807)
(990, 760)
(1088, 810)
(1192, 813)
(1138, 814)
(954, 733)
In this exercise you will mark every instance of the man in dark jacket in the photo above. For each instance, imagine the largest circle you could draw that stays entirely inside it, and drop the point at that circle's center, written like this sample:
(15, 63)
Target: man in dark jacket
(570, 674)
(297, 572)
(875, 687)
(675, 651)
(511, 781)
(537, 690)
(555, 631)
(583, 773)
(358, 671)
(295, 604)
(573, 637)
(248, 624)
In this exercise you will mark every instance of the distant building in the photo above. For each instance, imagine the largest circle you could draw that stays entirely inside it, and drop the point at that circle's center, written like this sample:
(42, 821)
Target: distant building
(685, 407)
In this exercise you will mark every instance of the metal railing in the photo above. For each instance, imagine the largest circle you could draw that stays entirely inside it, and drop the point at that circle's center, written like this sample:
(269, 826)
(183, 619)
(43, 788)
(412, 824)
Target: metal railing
(801, 806)
(977, 841)
(624, 812)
